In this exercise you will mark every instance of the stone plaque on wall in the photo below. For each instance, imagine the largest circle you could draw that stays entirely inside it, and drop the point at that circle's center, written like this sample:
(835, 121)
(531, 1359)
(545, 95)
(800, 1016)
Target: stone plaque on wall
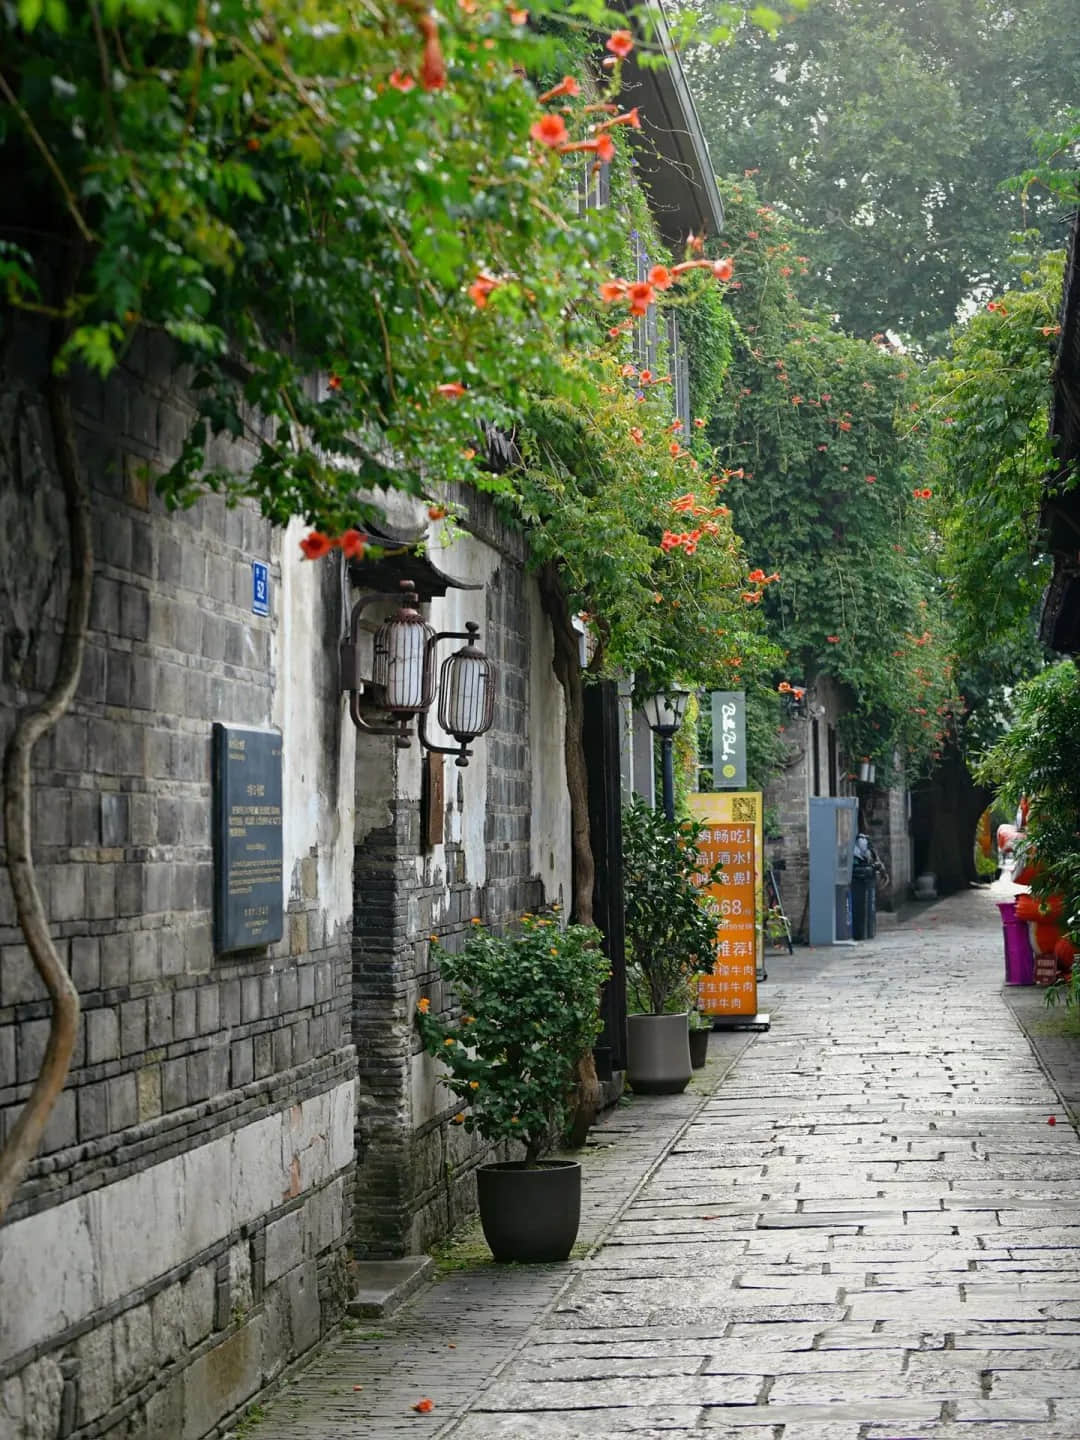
(248, 856)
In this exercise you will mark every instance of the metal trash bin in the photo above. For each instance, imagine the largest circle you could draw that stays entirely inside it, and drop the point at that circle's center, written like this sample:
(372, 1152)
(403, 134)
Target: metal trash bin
(863, 902)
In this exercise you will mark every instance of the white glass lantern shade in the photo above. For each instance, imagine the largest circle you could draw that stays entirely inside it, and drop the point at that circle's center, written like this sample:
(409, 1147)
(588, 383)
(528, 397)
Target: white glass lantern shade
(467, 693)
(407, 684)
(665, 710)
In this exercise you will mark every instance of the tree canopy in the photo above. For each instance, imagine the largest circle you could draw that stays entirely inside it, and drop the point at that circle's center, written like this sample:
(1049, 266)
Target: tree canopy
(888, 127)
(986, 404)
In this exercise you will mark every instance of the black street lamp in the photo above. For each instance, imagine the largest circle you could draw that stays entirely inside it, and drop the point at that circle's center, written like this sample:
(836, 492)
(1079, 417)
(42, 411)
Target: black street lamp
(664, 713)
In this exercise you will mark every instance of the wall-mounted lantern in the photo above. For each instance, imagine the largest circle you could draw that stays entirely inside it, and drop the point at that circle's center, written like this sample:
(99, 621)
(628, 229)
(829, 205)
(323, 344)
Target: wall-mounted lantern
(403, 677)
(867, 772)
(794, 700)
(467, 683)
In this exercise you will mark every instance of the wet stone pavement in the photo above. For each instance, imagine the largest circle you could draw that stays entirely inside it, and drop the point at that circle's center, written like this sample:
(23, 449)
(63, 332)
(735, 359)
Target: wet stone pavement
(859, 1227)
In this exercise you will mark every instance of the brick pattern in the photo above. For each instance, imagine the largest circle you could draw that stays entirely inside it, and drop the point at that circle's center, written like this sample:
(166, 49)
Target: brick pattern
(175, 1047)
(414, 1178)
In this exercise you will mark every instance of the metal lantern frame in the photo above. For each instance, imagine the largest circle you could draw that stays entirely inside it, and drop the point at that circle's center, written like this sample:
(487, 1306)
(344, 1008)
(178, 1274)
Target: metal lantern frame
(666, 703)
(404, 677)
(479, 680)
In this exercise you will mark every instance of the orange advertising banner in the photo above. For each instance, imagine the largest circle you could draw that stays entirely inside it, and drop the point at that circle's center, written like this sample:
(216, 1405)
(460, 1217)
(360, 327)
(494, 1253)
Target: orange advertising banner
(732, 838)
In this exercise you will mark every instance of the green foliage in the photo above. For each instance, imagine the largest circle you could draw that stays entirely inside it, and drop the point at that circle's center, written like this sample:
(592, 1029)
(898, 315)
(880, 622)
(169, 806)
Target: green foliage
(671, 921)
(259, 189)
(887, 127)
(599, 502)
(821, 439)
(529, 1012)
(1039, 757)
(258, 185)
(987, 405)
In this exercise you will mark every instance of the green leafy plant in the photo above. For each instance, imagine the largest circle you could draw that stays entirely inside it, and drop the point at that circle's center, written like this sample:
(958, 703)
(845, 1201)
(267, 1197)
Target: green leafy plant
(529, 1011)
(1039, 757)
(671, 921)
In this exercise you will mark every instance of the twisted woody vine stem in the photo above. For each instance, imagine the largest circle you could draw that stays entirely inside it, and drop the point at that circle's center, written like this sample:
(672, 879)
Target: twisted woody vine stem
(24, 1139)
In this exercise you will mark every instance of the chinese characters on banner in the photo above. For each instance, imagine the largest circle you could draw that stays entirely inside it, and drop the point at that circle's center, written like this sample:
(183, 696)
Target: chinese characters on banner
(732, 838)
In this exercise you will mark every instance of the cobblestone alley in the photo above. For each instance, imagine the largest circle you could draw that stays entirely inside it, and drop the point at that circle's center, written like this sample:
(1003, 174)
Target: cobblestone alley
(863, 1228)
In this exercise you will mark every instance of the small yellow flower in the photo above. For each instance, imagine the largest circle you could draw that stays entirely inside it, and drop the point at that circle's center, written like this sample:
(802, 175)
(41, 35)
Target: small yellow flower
(434, 939)
(423, 1005)
(474, 1084)
(553, 951)
(513, 1120)
(476, 920)
(449, 1040)
(459, 1118)
(469, 1020)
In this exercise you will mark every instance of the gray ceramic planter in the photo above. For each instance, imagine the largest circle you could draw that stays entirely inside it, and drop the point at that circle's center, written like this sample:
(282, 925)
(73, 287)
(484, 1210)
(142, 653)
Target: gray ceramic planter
(658, 1053)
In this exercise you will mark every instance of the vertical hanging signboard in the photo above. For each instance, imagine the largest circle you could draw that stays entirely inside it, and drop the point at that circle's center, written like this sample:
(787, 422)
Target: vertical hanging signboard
(729, 739)
(732, 838)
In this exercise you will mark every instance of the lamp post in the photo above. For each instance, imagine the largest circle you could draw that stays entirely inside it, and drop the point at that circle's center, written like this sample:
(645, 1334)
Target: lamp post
(664, 713)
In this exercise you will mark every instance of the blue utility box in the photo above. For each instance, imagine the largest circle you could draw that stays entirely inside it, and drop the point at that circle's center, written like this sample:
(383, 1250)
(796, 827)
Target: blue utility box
(833, 823)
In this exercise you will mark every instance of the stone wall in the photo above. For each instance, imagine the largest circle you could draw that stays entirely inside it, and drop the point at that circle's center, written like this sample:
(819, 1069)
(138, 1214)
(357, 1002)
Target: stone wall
(182, 1235)
(885, 813)
(505, 851)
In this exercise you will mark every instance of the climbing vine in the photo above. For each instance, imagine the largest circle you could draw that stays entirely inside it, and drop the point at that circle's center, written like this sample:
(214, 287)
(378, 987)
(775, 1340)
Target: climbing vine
(822, 440)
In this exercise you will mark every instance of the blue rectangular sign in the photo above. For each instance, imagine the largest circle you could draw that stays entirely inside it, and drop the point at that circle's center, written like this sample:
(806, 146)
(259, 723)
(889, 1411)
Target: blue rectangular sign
(260, 588)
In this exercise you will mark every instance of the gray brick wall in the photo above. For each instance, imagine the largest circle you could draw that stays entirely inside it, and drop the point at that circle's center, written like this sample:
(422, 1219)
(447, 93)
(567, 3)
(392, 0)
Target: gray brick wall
(176, 1047)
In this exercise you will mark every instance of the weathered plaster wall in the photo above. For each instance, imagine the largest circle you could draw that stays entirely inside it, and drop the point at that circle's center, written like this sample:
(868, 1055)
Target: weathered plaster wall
(182, 1235)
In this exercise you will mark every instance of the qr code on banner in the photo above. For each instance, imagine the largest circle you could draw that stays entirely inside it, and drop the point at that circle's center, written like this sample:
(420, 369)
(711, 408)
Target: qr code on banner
(743, 809)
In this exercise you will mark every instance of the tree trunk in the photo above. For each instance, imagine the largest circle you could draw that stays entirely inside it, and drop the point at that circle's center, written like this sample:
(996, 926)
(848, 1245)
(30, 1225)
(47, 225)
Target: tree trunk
(25, 1138)
(567, 667)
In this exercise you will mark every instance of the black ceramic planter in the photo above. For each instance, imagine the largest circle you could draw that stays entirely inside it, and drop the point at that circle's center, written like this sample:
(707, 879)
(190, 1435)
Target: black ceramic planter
(699, 1048)
(530, 1215)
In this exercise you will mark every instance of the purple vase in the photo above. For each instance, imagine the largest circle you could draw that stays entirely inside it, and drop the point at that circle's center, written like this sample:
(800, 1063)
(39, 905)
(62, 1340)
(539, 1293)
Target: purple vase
(1019, 960)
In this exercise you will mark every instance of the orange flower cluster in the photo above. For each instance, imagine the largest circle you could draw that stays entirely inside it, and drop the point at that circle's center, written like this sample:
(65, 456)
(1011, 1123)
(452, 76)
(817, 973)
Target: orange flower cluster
(566, 86)
(481, 288)
(689, 540)
(922, 494)
(352, 544)
(642, 293)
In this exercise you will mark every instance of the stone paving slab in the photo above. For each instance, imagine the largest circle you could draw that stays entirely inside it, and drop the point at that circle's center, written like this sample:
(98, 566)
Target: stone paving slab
(867, 1232)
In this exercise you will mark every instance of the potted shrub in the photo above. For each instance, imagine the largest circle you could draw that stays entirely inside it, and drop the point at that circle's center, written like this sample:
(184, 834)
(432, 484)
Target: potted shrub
(671, 925)
(529, 1012)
